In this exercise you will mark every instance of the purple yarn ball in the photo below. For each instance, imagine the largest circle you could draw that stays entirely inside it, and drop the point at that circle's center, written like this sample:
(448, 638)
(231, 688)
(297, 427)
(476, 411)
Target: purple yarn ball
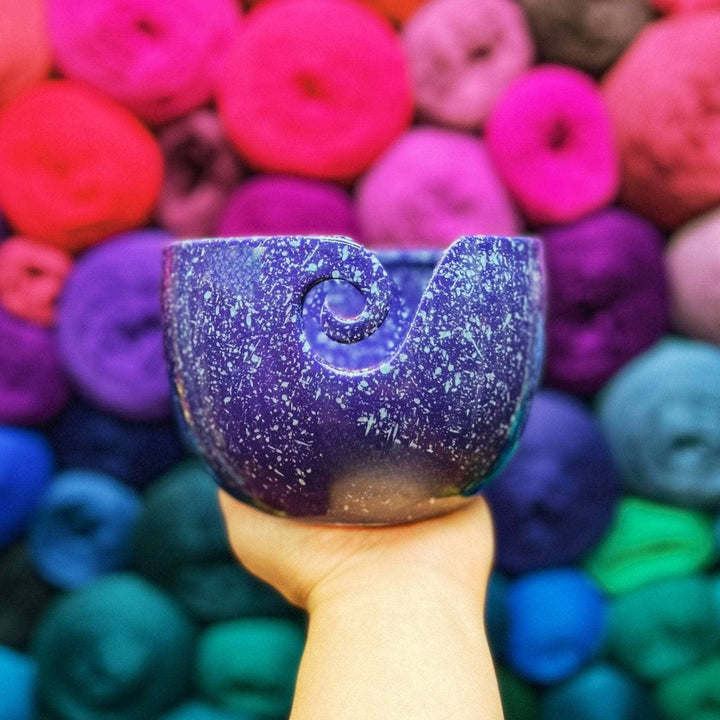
(607, 297)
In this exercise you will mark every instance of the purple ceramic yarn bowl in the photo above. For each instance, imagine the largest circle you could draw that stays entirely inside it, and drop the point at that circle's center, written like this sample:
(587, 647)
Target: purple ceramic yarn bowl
(323, 382)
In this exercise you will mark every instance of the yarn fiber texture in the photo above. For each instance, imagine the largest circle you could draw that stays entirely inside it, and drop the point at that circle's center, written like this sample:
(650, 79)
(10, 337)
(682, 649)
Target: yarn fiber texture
(669, 151)
(109, 332)
(117, 649)
(417, 195)
(550, 138)
(75, 166)
(661, 417)
(648, 542)
(32, 275)
(556, 497)
(33, 382)
(160, 60)
(607, 297)
(82, 527)
(312, 109)
(462, 55)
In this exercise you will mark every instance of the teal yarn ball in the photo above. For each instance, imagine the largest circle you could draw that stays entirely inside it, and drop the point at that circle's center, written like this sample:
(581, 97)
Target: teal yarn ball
(117, 649)
(250, 665)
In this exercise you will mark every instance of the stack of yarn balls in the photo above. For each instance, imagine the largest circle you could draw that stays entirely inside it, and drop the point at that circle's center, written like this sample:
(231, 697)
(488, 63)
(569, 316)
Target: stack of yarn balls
(125, 124)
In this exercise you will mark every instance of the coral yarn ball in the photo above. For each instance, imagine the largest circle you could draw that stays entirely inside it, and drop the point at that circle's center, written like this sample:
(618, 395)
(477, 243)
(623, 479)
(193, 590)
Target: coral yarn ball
(75, 166)
(663, 96)
(315, 87)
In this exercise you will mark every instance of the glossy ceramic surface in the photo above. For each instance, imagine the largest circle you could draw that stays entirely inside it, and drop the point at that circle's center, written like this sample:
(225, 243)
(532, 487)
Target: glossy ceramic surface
(324, 382)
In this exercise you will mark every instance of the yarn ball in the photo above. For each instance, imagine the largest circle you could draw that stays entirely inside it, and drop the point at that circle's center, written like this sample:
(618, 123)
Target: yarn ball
(109, 326)
(648, 542)
(25, 53)
(285, 205)
(313, 108)
(557, 624)
(75, 166)
(598, 692)
(24, 597)
(201, 169)
(26, 467)
(419, 195)
(691, 694)
(398, 11)
(550, 138)
(180, 544)
(661, 416)
(660, 629)
(607, 297)
(134, 452)
(82, 528)
(556, 497)
(33, 384)
(32, 275)
(692, 259)
(585, 34)
(250, 665)
(669, 152)
(158, 59)
(117, 648)
(17, 679)
(462, 54)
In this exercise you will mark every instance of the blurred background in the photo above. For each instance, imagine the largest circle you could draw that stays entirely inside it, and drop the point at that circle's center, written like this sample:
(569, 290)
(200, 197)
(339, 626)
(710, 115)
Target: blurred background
(125, 124)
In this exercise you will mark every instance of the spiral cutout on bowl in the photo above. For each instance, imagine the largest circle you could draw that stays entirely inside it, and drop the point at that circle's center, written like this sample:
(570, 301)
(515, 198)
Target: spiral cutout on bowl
(346, 262)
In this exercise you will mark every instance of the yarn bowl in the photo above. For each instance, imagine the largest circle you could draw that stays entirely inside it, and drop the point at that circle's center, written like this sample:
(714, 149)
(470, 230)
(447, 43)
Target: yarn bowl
(323, 382)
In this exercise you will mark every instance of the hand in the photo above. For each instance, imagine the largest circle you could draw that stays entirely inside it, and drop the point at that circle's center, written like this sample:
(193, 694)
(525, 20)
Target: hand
(308, 562)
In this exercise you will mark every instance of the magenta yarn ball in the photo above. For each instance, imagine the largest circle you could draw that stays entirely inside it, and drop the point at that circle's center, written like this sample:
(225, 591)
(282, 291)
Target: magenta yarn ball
(432, 186)
(315, 87)
(285, 205)
(462, 54)
(159, 59)
(551, 140)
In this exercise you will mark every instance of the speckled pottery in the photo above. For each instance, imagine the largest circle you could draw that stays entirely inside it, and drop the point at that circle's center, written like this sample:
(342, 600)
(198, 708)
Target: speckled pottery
(323, 382)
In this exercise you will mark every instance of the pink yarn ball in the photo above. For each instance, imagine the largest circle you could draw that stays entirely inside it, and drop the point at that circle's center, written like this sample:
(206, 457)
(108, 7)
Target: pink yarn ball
(462, 54)
(315, 87)
(160, 59)
(431, 187)
(692, 259)
(550, 138)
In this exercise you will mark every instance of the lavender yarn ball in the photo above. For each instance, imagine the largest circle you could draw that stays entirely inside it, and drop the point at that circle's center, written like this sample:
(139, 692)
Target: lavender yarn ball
(607, 297)
(109, 331)
(462, 54)
(286, 205)
(432, 186)
(33, 383)
(557, 495)
(201, 169)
